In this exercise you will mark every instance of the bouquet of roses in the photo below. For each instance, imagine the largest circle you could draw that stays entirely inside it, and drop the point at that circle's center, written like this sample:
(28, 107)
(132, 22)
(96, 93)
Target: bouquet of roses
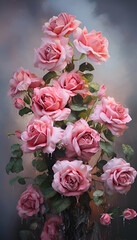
(71, 134)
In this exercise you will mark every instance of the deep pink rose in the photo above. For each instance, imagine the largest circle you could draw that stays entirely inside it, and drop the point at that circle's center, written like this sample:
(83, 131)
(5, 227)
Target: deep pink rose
(93, 44)
(40, 133)
(53, 54)
(19, 103)
(22, 80)
(51, 228)
(118, 175)
(72, 82)
(105, 219)
(71, 178)
(80, 140)
(113, 114)
(102, 91)
(51, 101)
(30, 202)
(18, 134)
(61, 25)
(129, 214)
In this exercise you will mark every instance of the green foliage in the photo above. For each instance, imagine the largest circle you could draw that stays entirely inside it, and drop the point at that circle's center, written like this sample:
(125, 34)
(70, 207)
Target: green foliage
(40, 179)
(48, 76)
(60, 204)
(16, 150)
(100, 164)
(39, 164)
(107, 147)
(115, 212)
(93, 87)
(109, 135)
(24, 111)
(20, 180)
(98, 197)
(78, 107)
(26, 235)
(14, 165)
(86, 66)
(88, 76)
(70, 67)
(27, 99)
(128, 151)
(49, 193)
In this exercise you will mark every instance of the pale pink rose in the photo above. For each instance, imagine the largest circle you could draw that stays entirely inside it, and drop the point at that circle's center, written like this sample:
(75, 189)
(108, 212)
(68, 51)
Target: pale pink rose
(30, 202)
(118, 176)
(53, 54)
(105, 219)
(129, 214)
(71, 178)
(51, 228)
(102, 91)
(19, 103)
(18, 134)
(113, 114)
(72, 82)
(80, 140)
(93, 44)
(61, 25)
(51, 101)
(40, 133)
(22, 80)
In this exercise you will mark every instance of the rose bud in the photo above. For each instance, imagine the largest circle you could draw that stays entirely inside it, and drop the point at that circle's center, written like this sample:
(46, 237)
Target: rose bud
(105, 219)
(19, 103)
(129, 214)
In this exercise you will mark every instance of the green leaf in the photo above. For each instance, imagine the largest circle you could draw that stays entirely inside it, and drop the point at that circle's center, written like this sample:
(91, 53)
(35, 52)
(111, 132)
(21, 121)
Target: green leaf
(100, 164)
(19, 179)
(107, 147)
(16, 150)
(78, 99)
(86, 66)
(115, 212)
(26, 235)
(49, 193)
(82, 115)
(70, 67)
(128, 151)
(10, 165)
(40, 179)
(88, 99)
(61, 204)
(78, 108)
(71, 118)
(27, 99)
(93, 87)
(88, 76)
(98, 197)
(24, 111)
(48, 76)
(14, 165)
(109, 135)
(39, 164)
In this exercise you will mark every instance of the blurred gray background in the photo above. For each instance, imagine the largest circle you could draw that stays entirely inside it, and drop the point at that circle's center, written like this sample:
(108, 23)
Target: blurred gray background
(20, 25)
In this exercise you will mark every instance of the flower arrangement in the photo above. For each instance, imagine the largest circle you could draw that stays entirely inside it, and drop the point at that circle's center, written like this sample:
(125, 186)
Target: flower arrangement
(72, 123)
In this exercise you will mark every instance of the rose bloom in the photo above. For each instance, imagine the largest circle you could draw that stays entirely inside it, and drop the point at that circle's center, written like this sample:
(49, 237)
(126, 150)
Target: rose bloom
(40, 133)
(18, 134)
(71, 178)
(53, 54)
(51, 101)
(30, 202)
(118, 175)
(102, 91)
(113, 114)
(19, 103)
(105, 219)
(80, 140)
(93, 44)
(51, 228)
(22, 80)
(129, 214)
(61, 25)
(72, 82)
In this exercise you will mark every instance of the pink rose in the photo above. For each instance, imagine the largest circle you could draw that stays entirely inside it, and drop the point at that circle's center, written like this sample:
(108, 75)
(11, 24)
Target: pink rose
(102, 91)
(93, 44)
(19, 103)
(22, 80)
(18, 134)
(129, 214)
(40, 133)
(72, 82)
(71, 178)
(113, 114)
(53, 54)
(61, 25)
(118, 175)
(51, 101)
(105, 219)
(30, 202)
(80, 140)
(51, 228)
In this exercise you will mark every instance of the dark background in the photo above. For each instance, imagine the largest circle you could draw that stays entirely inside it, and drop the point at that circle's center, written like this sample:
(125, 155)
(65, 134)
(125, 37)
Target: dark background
(20, 32)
